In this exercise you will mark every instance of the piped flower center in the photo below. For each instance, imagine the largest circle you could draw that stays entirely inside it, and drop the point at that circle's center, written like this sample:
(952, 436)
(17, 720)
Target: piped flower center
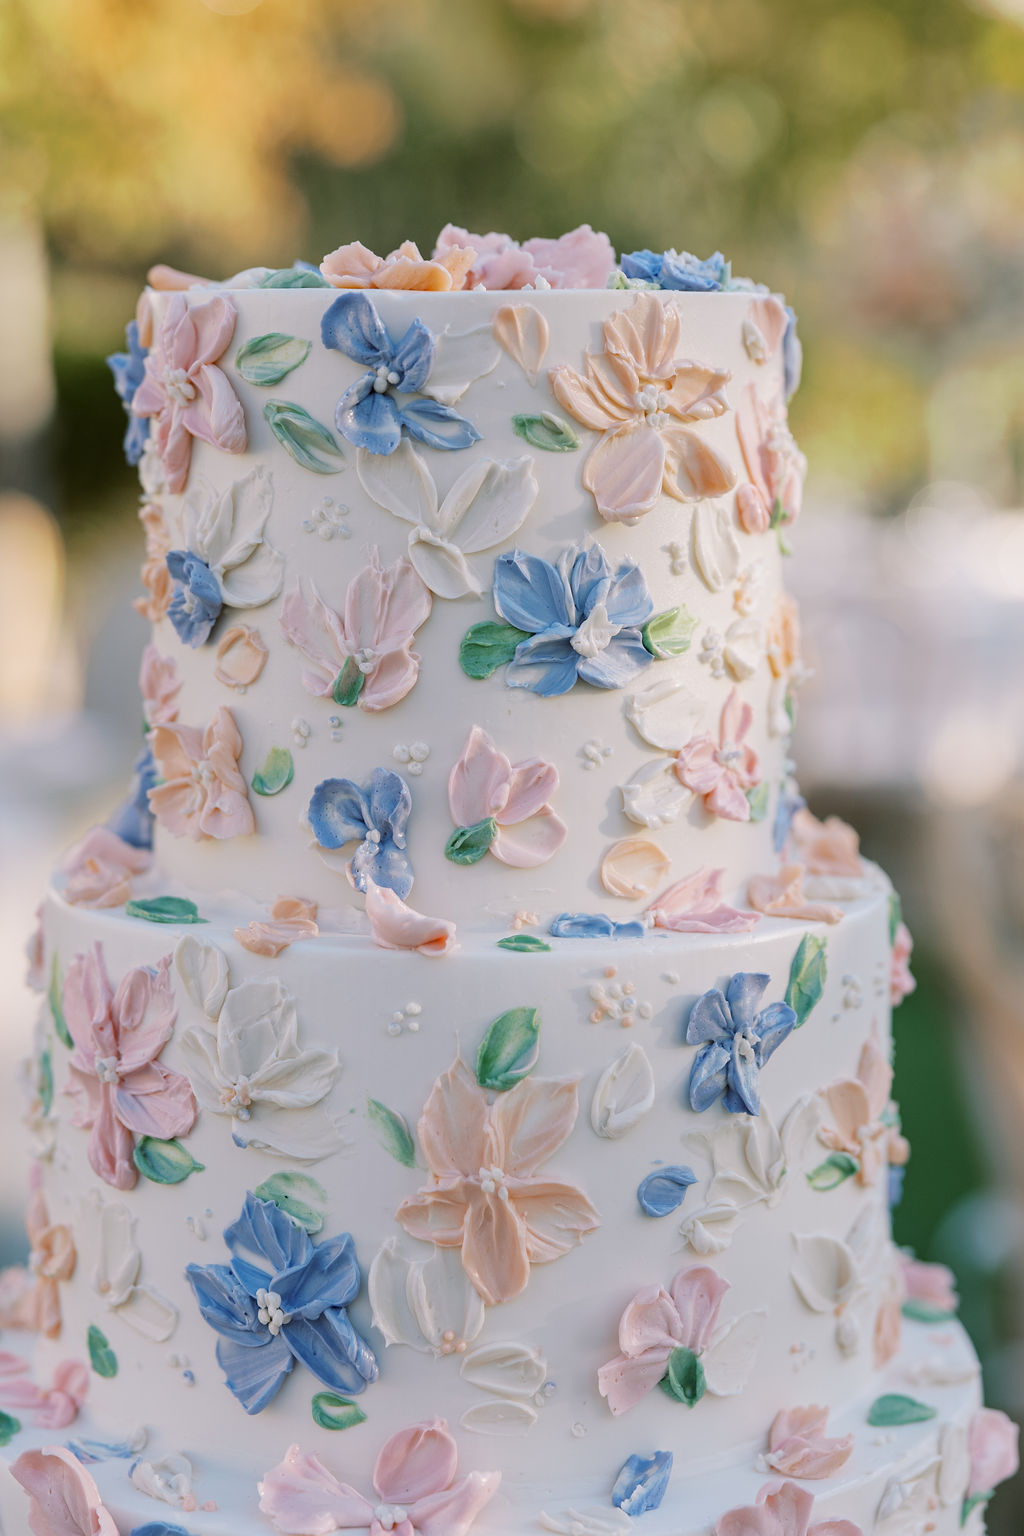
(238, 1098)
(451, 1344)
(388, 1516)
(729, 754)
(365, 659)
(107, 1069)
(595, 634)
(746, 1048)
(653, 402)
(492, 1182)
(179, 386)
(385, 378)
(271, 1313)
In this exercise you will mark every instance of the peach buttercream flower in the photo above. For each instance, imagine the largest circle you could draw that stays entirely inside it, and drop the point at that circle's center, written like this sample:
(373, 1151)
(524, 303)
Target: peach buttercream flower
(782, 1509)
(782, 895)
(241, 657)
(393, 925)
(203, 793)
(484, 786)
(487, 1196)
(774, 463)
(641, 396)
(828, 847)
(291, 918)
(722, 772)
(30, 1296)
(901, 980)
(159, 685)
(856, 1106)
(156, 578)
(799, 1447)
(353, 266)
(100, 869)
(51, 1407)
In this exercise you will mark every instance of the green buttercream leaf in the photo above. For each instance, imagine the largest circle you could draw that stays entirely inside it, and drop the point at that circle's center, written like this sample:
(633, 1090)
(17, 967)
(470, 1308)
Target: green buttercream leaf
(546, 431)
(306, 439)
(789, 705)
(299, 1196)
(294, 277)
(268, 359)
(778, 514)
(892, 1410)
(807, 977)
(684, 1379)
(55, 998)
(895, 915)
(45, 1081)
(921, 1312)
(785, 547)
(468, 845)
(348, 684)
(101, 1356)
(669, 633)
(972, 1504)
(276, 774)
(835, 1170)
(488, 646)
(9, 1427)
(508, 1052)
(333, 1412)
(393, 1132)
(524, 943)
(164, 909)
(757, 799)
(164, 1162)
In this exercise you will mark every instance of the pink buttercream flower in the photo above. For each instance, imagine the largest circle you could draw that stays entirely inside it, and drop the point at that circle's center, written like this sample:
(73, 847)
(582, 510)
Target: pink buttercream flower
(156, 578)
(799, 1447)
(415, 1487)
(184, 390)
(393, 925)
(203, 793)
(51, 1407)
(639, 396)
(291, 918)
(64, 1499)
(828, 847)
(782, 1509)
(487, 1196)
(855, 1106)
(100, 869)
(774, 463)
(159, 685)
(721, 774)
(695, 905)
(929, 1285)
(122, 1090)
(580, 259)
(353, 266)
(782, 895)
(992, 1442)
(901, 980)
(484, 786)
(364, 655)
(30, 1295)
(35, 954)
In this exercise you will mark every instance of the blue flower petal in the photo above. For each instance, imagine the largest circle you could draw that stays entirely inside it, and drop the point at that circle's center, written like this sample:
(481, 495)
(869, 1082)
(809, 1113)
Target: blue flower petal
(645, 265)
(642, 1483)
(136, 436)
(594, 925)
(225, 1304)
(369, 420)
(775, 1024)
(688, 274)
(255, 1375)
(264, 1231)
(742, 1093)
(385, 865)
(545, 664)
(709, 1019)
(352, 325)
(437, 425)
(530, 593)
(197, 601)
(664, 1190)
(628, 600)
(390, 804)
(792, 355)
(133, 821)
(786, 809)
(590, 579)
(332, 1349)
(330, 1278)
(129, 369)
(623, 659)
(743, 994)
(338, 813)
(708, 1076)
(158, 1528)
(413, 358)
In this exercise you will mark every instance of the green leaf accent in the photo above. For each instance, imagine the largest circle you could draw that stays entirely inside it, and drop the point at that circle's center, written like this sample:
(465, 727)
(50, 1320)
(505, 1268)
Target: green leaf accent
(299, 1196)
(348, 684)
(757, 799)
(101, 1356)
(895, 915)
(164, 909)
(9, 1427)
(268, 359)
(306, 439)
(276, 774)
(785, 547)
(972, 1504)
(294, 277)
(684, 1380)
(508, 1051)
(55, 998)
(393, 1133)
(546, 431)
(778, 514)
(807, 977)
(164, 1162)
(45, 1081)
(920, 1312)
(488, 646)
(835, 1170)
(468, 845)
(669, 633)
(892, 1410)
(524, 943)
(333, 1412)
(789, 705)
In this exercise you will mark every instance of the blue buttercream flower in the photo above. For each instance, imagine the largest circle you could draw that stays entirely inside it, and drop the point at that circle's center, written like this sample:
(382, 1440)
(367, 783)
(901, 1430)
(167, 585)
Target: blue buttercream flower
(582, 619)
(792, 354)
(374, 814)
(642, 1483)
(736, 1042)
(281, 1300)
(594, 925)
(790, 801)
(678, 270)
(128, 369)
(133, 821)
(197, 601)
(394, 395)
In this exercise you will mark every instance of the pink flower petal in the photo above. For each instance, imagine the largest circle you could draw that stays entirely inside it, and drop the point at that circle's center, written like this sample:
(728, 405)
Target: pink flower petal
(624, 473)
(625, 1382)
(530, 843)
(583, 397)
(827, 847)
(111, 1145)
(64, 1498)
(303, 1499)
(932, 1284)
(799, 1446)
(697, 766)
(698, 1293)
(993, 1443)
(728, 801)
(694, 905)
(533, 783)
(454, 1511)
(415, 1463)
(480, 781)
(213, 323)
(144, 1011)
(351, 266)
(87, 999)
(651, 1321)
(291, 918)
(393, 925)
(215, 416)
(436, 1215)
(782, 895)
(754, 513)
(583, 258)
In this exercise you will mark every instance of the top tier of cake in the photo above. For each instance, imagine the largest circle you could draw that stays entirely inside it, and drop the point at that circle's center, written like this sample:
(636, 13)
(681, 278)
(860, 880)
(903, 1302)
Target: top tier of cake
(483, 586)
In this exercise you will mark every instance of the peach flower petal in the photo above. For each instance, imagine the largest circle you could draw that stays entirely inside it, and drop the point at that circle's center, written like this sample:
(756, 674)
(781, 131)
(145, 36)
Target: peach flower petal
(100, 869)
(827, 847)
(799, 1447)
(241, 657)
(393, 925)
(291, 918)
(782, 895)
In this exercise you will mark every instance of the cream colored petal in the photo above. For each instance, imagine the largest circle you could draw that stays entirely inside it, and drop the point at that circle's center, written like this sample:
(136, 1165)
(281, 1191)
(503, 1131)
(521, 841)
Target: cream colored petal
(149, 1313)
(633, 868)
(400, 482)
(744, 649)
(499, 1418)
(203, 970)
(666, 713)
(711, 1230)
(446, 1306)
(514, 1371)
(654, 797)
(823, 1271)
(624, 1094)
(716, 549)
(730, 1357)
(387, 1289)
(460, 358)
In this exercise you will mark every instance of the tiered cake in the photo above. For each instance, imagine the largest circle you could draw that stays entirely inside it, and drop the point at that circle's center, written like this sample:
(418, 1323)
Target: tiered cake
(473, 1113)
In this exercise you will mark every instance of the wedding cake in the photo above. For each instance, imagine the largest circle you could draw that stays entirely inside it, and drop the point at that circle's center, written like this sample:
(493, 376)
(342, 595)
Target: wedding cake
(461, 1092)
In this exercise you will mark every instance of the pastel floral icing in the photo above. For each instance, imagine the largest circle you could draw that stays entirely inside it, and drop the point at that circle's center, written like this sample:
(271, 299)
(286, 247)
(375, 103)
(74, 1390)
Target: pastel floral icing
(129, 370)
(184, 391)
(624, 1094)
(159, 685)
(429, 1304)
(678, 271)
(782, 1509)
(484, 787)
(53, 1407)
(901, 979)
(772, 498)
(583, 258)
(282, 1300)
(722, 772)
(364, 654)
(416, 1490)
(373, 815)
(523, 332)
(241, 657)
(114, 1264)
(581, 618)
(696, 905)
(100, 869)
(658, 1327)
(487, 504)
(764, 328)
(121, 1088)
(30, 1294)
(737, 1038)
(799, 1447)
(487, 1196)
(156, 578)
(393, 925)
(202, 792)
(63, 1497)
(928, 1287)
(782, 895)
(859, 1116)
(354, 266)
(132, 822)
(226, 561)
(839, 1277)
(643, 399)
(992, 1441)
(410, 386)
(828, 847)
(291, 918)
